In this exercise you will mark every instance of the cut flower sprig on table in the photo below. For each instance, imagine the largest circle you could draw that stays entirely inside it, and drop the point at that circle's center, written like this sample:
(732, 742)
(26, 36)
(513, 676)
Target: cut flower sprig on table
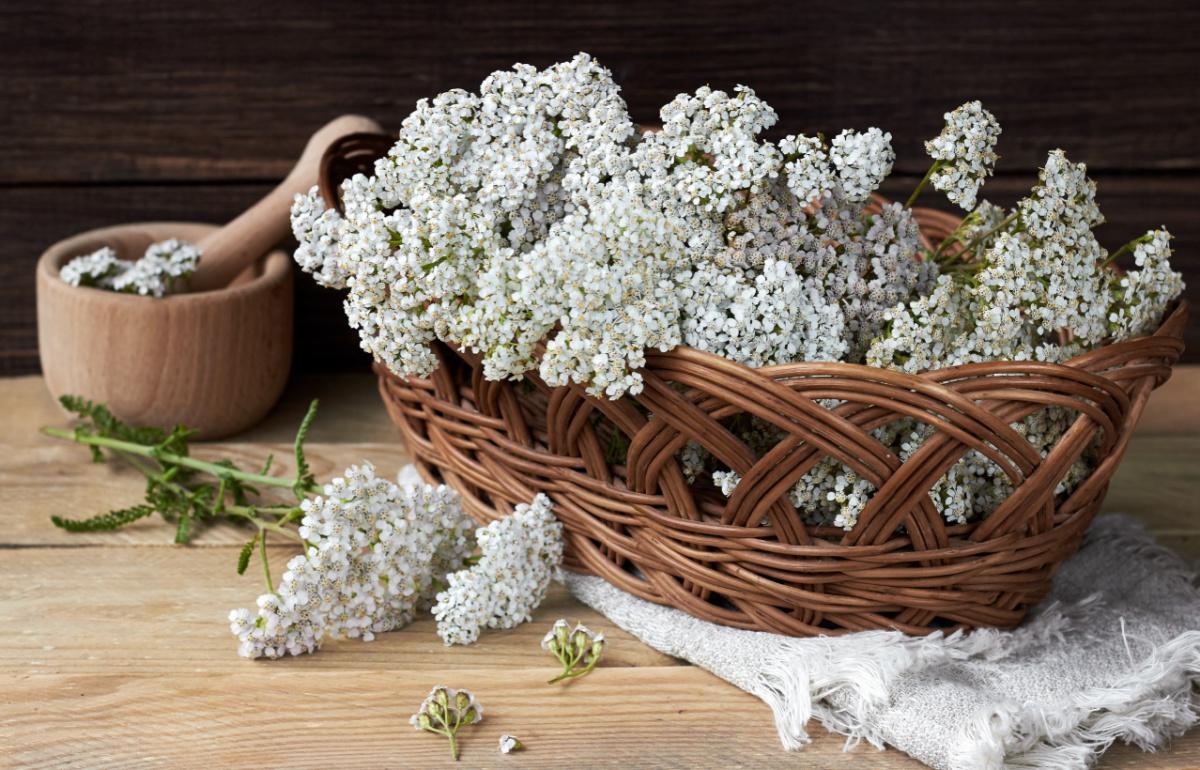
(533, 225)
(185, 490)
(578, 649)
(446, 711)
(374, 553)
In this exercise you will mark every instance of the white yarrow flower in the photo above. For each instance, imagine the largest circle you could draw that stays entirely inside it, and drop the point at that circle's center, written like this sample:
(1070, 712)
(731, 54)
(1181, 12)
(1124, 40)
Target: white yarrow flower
(375, 553)
(518, 557)
(965, 152)
(862, 160)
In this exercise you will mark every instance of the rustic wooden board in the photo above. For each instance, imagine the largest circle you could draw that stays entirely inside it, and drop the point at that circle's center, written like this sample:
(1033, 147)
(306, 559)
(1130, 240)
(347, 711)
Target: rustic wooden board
(228, 90)
(162, 611)
(34, 218)
(146, 677)
(116, 654)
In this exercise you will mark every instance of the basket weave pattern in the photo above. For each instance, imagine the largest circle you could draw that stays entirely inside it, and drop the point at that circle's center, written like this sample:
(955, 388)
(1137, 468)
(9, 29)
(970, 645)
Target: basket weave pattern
(750, 561)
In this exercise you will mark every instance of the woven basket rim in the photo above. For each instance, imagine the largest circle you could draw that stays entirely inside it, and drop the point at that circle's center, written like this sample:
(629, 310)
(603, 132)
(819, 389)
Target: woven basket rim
(1168, 331)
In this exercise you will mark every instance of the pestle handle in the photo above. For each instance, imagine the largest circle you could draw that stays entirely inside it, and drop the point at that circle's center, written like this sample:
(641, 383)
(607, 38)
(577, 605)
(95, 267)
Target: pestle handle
(231, 249)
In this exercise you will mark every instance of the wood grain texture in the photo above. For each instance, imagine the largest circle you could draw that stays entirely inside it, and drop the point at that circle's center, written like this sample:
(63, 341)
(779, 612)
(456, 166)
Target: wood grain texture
(229, 90)
(270, 716)
(115, 654)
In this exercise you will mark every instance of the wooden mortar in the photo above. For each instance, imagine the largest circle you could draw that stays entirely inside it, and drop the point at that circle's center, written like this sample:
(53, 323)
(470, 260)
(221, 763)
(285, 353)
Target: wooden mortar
(214, 360)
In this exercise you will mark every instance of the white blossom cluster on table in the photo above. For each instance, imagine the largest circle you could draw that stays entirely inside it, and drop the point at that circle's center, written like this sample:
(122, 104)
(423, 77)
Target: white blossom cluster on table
(155, 274)
(517, 558)
(378, 552)
(533, 224)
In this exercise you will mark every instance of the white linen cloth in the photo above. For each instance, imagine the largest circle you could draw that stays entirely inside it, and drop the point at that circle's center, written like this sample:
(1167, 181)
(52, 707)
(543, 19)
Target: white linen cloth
(1113, 653)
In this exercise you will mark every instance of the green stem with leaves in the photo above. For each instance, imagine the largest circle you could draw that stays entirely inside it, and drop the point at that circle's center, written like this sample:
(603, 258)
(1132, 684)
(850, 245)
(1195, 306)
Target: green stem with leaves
(169, 458)
(175, 487)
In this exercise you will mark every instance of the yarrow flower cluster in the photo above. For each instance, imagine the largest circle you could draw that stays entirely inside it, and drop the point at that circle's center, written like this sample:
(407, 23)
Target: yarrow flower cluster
(1140, 297)
(530, 223)
(578, 649)
(163, 266)
(374, 553)
(377, 553)
(518, 557)
(533, 225)
(965, 153)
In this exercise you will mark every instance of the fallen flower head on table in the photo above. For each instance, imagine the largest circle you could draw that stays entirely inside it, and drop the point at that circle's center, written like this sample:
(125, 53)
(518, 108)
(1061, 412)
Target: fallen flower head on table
(377, 554)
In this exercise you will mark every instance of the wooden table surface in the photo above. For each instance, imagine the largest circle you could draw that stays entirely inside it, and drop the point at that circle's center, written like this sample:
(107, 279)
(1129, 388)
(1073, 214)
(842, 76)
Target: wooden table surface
(115, 651)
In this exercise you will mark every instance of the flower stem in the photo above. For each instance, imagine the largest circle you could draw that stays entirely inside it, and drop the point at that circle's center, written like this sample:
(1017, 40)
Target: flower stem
(937, 164)
(970, 247)
(1125, 249)
(169, 457)
(262, 549)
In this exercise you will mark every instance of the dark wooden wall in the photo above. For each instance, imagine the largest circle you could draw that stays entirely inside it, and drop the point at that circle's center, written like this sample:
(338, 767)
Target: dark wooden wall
(121, 110)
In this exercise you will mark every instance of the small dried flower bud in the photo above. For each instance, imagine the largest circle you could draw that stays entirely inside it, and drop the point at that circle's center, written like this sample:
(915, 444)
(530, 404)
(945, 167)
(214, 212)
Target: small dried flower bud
(580, 638)
(556, 638)
(509, 744)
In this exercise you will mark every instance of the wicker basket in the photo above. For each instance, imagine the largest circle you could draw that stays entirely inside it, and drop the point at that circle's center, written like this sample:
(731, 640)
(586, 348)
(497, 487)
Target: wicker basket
(749, 561)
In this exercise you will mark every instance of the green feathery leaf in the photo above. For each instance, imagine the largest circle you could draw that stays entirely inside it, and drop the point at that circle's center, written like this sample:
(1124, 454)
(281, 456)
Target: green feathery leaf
(104, 423)
(105, 521)
(304, 477)
(183, 530)
(244, 557)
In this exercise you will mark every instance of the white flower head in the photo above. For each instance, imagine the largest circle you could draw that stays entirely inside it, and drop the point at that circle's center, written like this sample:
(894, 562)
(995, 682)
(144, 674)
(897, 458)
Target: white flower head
(95, 269)
(509, 744)
(445, 711)
(1141, 296)
(862, 160)
(518, 557)
(578, 649)
(160, 269)
(810, 175)
(965, 152)
(375, 552)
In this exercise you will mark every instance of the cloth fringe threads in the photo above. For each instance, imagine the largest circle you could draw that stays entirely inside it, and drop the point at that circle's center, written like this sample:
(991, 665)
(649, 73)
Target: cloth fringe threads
(1113, 653)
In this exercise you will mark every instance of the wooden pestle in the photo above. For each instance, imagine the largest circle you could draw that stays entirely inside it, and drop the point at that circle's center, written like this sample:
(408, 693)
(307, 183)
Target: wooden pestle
(228, 251)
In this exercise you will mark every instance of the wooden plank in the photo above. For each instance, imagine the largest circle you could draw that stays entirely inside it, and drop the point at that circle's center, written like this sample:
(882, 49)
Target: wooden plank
(45, 476)
(150, 669)
(176, 601)
(32, 219)
(651, 718)
(184, 94)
